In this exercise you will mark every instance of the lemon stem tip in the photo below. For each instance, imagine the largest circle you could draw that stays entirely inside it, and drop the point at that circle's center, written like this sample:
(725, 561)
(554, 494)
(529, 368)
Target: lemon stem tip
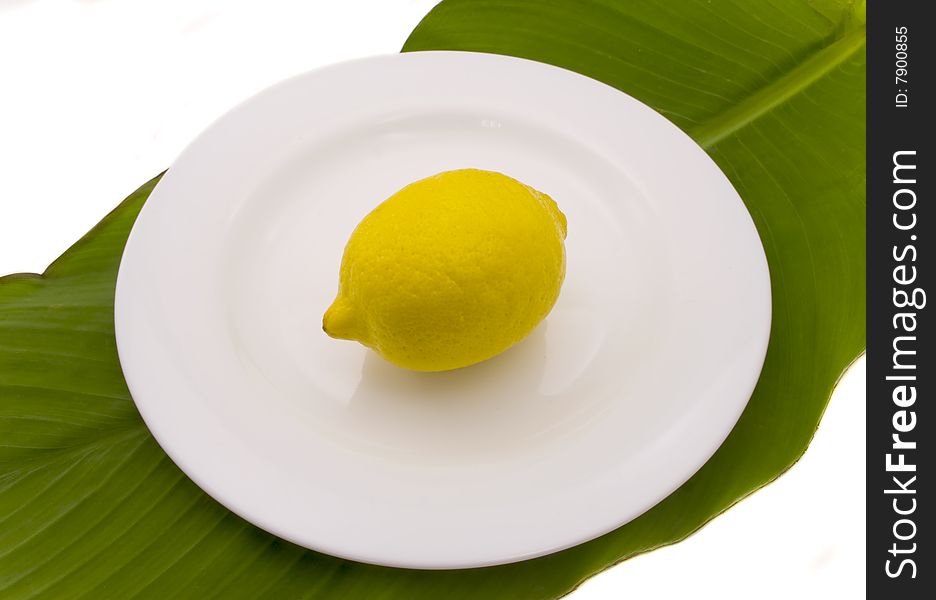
(339, 320)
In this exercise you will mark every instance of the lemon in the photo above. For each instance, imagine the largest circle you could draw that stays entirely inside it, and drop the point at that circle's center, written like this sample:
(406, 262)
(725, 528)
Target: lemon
(451, 270)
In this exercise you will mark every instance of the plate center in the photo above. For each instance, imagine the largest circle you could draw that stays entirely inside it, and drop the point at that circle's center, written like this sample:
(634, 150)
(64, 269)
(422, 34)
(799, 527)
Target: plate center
(284, 250)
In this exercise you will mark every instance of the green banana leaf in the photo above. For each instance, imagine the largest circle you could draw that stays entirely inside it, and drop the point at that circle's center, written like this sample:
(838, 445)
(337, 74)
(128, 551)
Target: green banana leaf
(90, 507)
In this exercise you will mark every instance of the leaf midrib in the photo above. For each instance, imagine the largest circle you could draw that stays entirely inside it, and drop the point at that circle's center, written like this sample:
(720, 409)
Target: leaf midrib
(773, 95)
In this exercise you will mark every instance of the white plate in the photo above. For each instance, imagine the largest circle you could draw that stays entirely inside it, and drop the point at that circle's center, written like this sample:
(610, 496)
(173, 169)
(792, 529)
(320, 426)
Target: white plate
(632, 382)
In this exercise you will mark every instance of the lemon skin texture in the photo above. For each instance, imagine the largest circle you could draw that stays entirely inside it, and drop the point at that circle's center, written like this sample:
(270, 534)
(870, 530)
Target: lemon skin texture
(450, 271)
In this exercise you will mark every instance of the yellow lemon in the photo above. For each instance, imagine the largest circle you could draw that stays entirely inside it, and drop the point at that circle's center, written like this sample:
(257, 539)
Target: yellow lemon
(451, 270)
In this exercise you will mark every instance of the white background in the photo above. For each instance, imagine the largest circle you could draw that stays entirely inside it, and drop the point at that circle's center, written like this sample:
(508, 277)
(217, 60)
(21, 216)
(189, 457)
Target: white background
(97, 96)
